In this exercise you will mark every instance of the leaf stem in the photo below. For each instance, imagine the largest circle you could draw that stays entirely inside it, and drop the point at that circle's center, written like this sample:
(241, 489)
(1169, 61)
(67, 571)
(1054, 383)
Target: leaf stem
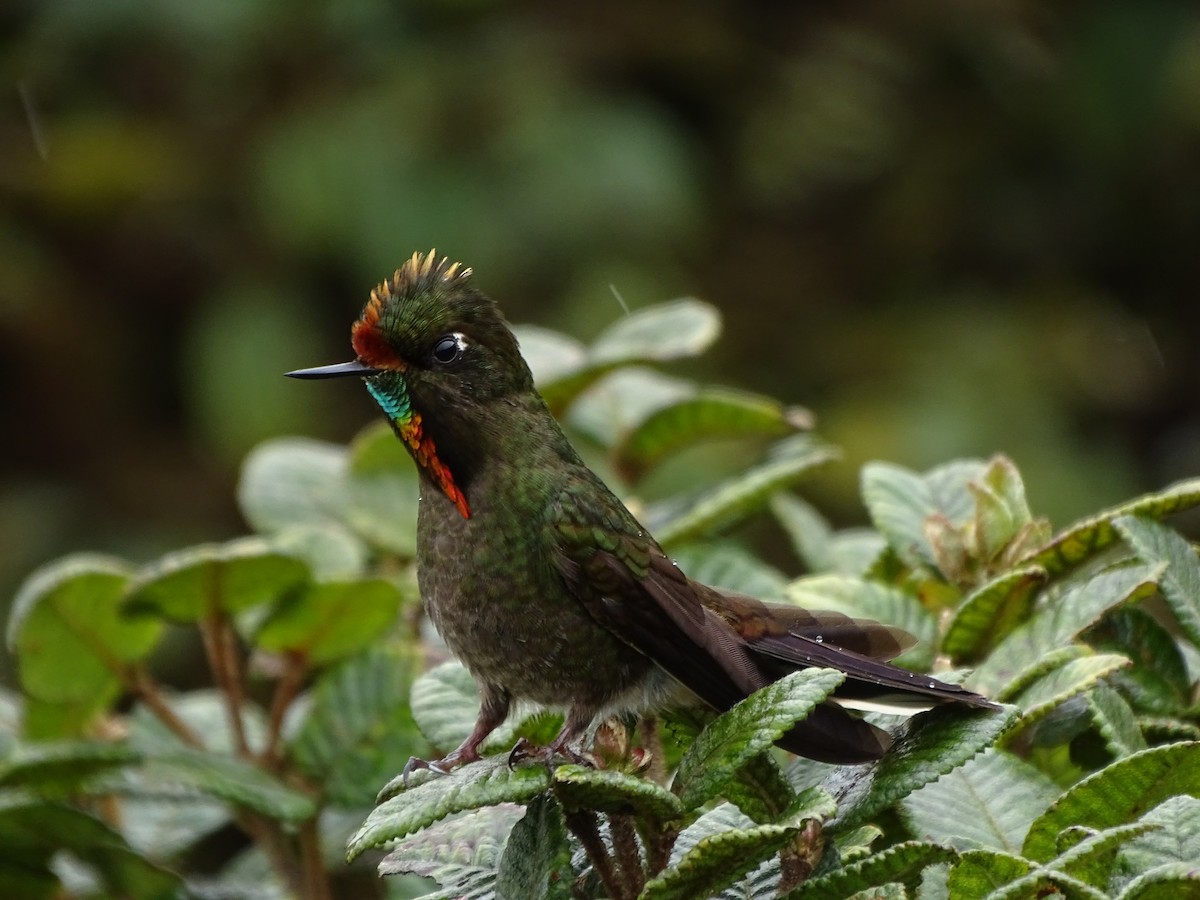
(624, 838)
(295, 668)
(139, 682)
(312, 864)
(584, 826)
(221, 649)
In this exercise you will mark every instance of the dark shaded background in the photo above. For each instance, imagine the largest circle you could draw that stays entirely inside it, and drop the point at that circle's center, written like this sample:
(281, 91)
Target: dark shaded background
(949, 228)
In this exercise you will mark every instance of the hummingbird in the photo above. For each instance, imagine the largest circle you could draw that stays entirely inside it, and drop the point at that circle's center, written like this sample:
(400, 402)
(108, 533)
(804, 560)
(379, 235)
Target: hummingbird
(546, 586)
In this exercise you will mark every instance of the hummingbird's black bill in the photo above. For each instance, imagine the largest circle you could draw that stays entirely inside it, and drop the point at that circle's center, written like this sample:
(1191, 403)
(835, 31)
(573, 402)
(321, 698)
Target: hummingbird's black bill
(337, 370)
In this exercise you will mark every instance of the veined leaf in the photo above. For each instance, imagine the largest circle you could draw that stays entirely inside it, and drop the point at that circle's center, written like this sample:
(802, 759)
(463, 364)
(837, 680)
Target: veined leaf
(1174, 841)
(665, 331)
(614, 405)
(899, 863)
(991, 612)
(1170, 881)
(899, 501)
(32, 831)
(382, 490)
(62, 767)
(484, 783)
(850, 551)
(746, 730)
(1156, 544)
(70, 638)
(292, 481)
(1158, 681)
(988, 802)
(551, 355)
(926, 747)
(1070, 680)
(865, 599)
(1115, 719)
(1115, 794)
(359, 730)
(536, 862)
(1086, 538)
(233, 780)
(788, 461)
(190, 584)
(1058, 623)
(725, 565)
(331, 550)
(445, 704)
(330, 619)
(709, 413)
(608, 790)
(716, 861)
(461, 854)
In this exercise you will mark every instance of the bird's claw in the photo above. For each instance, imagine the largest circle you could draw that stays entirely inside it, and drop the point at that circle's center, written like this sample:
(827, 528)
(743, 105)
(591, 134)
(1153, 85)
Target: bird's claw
(524, 749)
(437, 766)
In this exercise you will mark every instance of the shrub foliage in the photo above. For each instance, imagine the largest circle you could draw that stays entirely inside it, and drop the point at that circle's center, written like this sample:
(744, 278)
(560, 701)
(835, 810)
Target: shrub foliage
(322, 679)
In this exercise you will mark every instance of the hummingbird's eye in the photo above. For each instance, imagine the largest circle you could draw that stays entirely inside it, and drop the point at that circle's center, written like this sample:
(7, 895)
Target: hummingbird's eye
(449, 348)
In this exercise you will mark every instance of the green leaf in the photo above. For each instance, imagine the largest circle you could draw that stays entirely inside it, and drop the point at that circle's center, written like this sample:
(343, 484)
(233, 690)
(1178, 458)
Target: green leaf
(484, 783)
(60, 768)
(850, 551)
(1156, 544)
(988, 802)
(34, 830)
(1086, 538)
(563, 371)
(445, 704)
(618, 402)
(710, 413)
(72, 644)
(746, 730)
(234, 780)
(206, 712)
(725, 565)
(292, 481)
(864, 599)
(999, 876)
(331, 619)
(200, 581)
(1158, 682)
(899, 501)
(608, 790)
(1058, 623)
(1175, 841)
(1076, 677)
(359, 730)
(331, 550)
(717, 860)
(983, 873)
(901, 862)
(536, 862)
(926, 747)
(991, 612)
(382, 491)
(1115, 719)
(551, 355)
(461, 854)
(1114, 795)
(665, 331)
(696, 517)
(1171, 881)
(761, 790)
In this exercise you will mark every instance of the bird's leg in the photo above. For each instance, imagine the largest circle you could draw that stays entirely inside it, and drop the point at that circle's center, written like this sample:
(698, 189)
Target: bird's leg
(493, 710)
(573, 728)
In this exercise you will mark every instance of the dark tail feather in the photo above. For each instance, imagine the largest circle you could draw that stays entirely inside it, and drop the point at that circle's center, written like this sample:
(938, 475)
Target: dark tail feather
(832, 735)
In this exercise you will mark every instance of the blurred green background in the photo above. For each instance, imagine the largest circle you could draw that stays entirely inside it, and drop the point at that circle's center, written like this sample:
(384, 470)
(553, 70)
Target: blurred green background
(948, 228)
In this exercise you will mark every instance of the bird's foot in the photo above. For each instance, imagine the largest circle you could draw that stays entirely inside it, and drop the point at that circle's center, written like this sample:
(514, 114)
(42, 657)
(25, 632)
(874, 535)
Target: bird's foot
(524, 749)
(441, 766)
